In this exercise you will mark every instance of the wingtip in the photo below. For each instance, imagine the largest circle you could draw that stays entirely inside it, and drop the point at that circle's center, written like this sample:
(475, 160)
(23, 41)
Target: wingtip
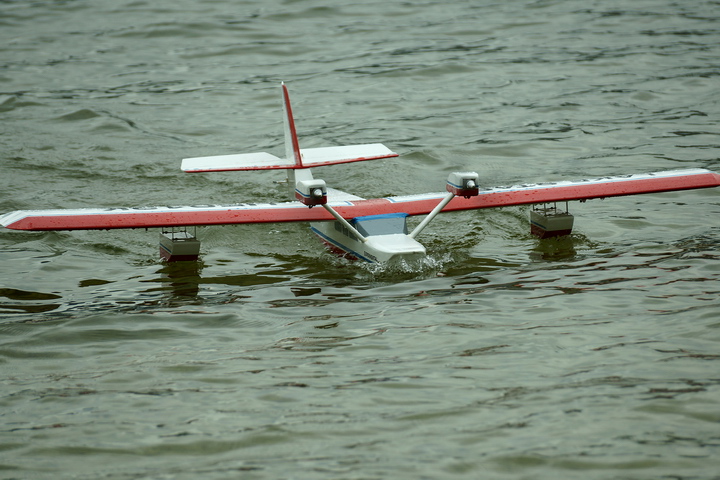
(11, 220)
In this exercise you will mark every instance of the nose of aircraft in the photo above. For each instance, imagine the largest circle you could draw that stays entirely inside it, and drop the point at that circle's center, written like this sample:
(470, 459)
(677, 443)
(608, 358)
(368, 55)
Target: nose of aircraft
(384, 248)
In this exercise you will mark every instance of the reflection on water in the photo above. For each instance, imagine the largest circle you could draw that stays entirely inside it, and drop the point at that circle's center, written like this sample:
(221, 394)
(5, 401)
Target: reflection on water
(554, 249)
(182, 279)
(21, 301)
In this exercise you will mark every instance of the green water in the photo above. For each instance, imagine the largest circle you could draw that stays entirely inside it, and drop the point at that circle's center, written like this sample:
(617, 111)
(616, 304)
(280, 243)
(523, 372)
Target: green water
(500, 356)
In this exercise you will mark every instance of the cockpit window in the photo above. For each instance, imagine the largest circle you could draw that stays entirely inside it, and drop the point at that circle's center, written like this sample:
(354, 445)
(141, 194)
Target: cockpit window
(388, 224)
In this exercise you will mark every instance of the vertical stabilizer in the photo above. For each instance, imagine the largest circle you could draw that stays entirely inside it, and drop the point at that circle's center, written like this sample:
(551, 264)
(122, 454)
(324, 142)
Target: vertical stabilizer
(292, 146)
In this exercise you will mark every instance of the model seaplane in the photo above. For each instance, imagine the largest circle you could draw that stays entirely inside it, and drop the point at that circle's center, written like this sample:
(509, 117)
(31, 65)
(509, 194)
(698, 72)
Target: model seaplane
(370, 230)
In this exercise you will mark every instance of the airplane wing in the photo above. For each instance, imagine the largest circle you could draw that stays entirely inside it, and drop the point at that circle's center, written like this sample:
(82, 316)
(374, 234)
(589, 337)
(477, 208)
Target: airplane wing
(350, 207)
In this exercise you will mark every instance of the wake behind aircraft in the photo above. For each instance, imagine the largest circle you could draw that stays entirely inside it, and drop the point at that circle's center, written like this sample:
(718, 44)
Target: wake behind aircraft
(369, 230)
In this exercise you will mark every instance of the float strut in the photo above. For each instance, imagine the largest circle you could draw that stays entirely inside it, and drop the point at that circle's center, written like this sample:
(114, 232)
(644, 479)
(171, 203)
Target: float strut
(421, 226)
(458, 183)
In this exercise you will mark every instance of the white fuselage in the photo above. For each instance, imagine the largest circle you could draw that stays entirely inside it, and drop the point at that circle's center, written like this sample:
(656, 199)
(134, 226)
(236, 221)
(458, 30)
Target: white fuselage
(373, 239)
(376, 249)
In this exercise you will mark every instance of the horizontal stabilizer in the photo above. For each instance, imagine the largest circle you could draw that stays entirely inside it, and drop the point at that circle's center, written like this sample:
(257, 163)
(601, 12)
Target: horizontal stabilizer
(311, 157)
(296, 157)
(316, 157)
(228, 163)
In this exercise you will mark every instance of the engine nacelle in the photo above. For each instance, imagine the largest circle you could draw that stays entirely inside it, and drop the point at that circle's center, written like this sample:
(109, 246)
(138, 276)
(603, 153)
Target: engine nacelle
(311, 192)
(463, 184)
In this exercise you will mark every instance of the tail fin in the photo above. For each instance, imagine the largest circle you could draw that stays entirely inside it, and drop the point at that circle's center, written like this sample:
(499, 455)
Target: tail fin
(292, 146)
(294, 159)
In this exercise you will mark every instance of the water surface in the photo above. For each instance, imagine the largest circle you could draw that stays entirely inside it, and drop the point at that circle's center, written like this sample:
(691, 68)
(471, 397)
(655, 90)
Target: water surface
(500, 356)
